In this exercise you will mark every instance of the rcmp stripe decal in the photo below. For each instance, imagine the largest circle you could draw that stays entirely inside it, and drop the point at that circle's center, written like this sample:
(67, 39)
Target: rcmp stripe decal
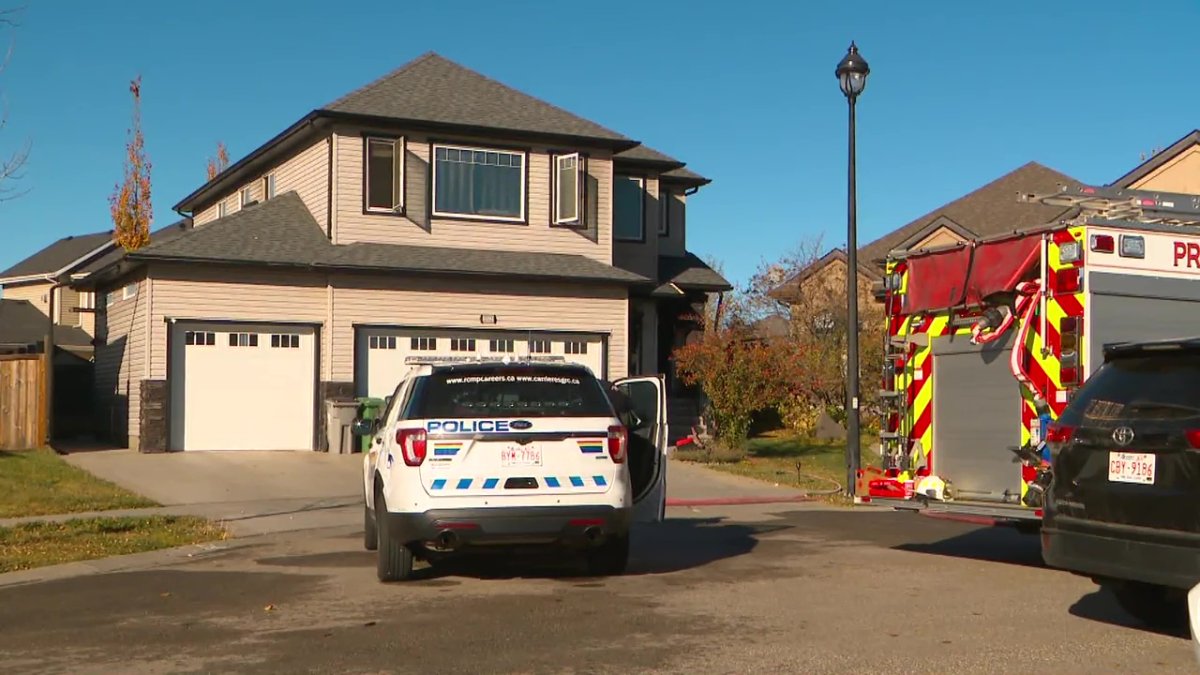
(438, 484)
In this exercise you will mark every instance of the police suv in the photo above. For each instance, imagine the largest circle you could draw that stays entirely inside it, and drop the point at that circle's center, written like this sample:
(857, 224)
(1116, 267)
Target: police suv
(474, 455)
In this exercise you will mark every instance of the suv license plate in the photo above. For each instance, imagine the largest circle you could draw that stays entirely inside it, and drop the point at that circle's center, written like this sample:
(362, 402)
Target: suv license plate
(521, 456)
(1131, 467)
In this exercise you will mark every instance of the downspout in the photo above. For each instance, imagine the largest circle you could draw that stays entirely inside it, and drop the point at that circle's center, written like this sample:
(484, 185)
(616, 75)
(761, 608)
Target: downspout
(48, 358)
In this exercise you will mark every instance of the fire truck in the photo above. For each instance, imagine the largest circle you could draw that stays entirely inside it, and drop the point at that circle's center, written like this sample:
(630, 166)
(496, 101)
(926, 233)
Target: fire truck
(987, 340)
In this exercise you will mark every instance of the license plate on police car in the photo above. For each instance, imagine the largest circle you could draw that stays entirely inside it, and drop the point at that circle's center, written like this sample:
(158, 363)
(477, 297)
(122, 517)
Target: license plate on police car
(1131, 467)
(521, 456)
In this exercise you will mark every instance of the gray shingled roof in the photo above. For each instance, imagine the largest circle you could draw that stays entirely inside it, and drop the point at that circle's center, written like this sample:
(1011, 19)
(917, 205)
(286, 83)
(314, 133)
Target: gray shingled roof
(434, 89)
(58, 255)
(467, 261)
(282, 231)
(989, 210)
(690, 272)
(685, 175)
(21, 323)
(160, 235)
(645, 153)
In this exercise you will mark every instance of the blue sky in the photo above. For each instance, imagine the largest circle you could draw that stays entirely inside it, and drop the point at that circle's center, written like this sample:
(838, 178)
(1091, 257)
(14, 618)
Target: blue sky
(744, 92)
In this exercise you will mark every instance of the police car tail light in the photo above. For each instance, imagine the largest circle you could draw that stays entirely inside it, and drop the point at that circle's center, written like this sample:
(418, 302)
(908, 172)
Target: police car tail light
(413, 445)
(1193, 438)
(618, 442)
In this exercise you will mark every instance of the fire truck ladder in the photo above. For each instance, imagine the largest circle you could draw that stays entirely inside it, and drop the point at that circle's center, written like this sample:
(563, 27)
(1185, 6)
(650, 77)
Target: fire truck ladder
(1143, 206)
(893, 445)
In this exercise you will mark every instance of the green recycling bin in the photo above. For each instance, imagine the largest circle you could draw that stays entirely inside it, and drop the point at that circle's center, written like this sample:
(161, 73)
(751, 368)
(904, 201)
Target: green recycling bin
(371, 409)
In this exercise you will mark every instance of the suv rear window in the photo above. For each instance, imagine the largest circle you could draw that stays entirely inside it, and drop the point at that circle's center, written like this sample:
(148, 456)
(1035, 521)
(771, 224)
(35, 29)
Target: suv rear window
(1162, 386)
(509, 392)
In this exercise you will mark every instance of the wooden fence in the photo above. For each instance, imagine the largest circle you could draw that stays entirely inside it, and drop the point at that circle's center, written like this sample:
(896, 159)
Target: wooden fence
(22, 401)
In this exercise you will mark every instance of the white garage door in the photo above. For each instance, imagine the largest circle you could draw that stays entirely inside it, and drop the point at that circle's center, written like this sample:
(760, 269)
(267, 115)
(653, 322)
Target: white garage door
(242, 387)
(381, 352)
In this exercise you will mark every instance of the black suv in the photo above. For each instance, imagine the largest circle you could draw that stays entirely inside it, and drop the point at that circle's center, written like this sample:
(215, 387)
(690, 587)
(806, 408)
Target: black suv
(1124, 501)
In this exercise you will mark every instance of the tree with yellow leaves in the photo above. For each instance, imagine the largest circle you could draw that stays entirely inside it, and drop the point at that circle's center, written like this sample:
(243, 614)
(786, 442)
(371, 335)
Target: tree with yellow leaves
(220, 162)
(130, 201)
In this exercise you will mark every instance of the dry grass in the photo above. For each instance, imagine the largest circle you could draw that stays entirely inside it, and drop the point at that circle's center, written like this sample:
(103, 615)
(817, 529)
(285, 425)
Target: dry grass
(39, 482)
(45, 543)
(780, 458)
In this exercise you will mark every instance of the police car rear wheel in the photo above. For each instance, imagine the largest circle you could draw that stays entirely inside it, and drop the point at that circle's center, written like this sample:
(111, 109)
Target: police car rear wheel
(370, 531)
(610, 558)
(394, 560)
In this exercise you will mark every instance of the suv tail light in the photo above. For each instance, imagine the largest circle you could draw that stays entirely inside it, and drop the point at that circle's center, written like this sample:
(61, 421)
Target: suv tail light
(618, 443)
(1057, 436)
(1193, 437)
(413, 445)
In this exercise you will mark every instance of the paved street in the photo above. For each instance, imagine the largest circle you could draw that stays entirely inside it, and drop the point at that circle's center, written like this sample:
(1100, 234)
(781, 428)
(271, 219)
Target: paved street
(734, 589)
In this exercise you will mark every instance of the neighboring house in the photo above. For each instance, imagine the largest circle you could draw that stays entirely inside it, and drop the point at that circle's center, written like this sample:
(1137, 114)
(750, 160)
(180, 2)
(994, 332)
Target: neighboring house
(993, 209)
(432, 212)
(23, 331)
(1176, 168)
(989, 210)
(40, 279)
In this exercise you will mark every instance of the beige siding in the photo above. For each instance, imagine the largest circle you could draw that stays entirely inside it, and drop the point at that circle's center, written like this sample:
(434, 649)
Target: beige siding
(36, 293)
(121, 357)
(675, 243)
(944, 236)
(306, 172)
(230, 295)
(415, 227)
(642, 257)
(459, 303)
(1180, 174)
(67, 302)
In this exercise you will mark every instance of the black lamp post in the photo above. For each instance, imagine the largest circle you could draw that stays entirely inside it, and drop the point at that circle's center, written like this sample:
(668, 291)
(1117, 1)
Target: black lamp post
(852, 77)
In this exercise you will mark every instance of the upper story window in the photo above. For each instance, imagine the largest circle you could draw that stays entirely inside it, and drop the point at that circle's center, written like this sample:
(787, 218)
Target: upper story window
(384, 175)
(568, 189)
(628, 208)
(87, 300)
(268, 186)
(665, 197)
(222, 209)
(478, 183)
(247, 196)
(129, 291)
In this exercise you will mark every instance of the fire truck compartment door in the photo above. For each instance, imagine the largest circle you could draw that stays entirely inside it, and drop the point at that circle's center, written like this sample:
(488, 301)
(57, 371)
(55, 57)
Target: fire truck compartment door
(1124, 307)
(976, 418)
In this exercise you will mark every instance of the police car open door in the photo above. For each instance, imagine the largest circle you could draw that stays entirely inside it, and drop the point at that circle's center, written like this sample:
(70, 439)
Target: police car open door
(647, 445)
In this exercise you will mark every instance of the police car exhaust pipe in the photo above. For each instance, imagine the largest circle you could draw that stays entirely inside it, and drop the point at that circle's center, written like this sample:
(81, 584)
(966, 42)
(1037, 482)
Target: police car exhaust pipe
(592, 534)
(447, 539)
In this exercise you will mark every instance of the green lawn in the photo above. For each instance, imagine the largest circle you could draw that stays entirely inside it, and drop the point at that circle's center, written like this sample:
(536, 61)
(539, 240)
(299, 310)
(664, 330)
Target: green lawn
(39, 482)
(43, 543)
(779, 457)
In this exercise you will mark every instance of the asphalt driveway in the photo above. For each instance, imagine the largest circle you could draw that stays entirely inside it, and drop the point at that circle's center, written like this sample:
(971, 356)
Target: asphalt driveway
(723, 589)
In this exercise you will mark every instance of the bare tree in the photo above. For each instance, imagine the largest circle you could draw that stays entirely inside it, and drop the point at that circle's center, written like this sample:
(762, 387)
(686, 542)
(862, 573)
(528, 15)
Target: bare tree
(11, 165)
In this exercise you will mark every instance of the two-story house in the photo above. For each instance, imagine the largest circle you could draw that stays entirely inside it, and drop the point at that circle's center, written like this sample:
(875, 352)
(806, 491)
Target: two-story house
(432, 212)
(39, 286)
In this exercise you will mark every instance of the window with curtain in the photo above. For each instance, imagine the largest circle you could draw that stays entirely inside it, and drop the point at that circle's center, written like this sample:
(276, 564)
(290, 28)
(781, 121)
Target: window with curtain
(478, 183)
(628, 208)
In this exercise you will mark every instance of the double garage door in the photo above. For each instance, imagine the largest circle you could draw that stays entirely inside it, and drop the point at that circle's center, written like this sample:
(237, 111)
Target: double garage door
(242, 386)
(381, 354)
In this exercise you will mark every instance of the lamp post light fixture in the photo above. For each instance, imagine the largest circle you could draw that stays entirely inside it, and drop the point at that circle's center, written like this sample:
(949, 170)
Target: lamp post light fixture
(852, 78)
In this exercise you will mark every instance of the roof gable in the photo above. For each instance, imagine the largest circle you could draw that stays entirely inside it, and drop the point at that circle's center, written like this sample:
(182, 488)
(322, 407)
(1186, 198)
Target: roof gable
(988, 210)
(1157, 160)
(432, 88)
(58, 255)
